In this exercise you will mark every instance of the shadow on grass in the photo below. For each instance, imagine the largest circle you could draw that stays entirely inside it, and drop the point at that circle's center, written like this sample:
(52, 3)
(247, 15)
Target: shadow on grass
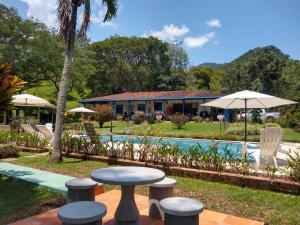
(17, 195)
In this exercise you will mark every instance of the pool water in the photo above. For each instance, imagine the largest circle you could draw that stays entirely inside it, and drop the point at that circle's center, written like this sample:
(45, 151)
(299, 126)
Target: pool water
(184, 143)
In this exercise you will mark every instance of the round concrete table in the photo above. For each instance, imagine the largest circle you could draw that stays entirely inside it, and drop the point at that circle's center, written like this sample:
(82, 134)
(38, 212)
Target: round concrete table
(127, 176)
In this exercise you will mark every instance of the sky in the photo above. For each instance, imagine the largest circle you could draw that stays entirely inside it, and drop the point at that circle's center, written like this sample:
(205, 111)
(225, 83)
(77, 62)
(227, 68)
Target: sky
(210, 30)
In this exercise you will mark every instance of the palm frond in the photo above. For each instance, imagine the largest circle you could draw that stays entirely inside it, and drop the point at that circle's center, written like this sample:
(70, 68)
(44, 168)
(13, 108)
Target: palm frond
(64, 16)
(86, 18)
(112, 8)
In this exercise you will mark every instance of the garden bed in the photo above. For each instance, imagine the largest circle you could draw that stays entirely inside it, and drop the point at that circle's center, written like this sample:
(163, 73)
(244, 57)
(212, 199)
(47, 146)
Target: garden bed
(257, 182)
(264, 183)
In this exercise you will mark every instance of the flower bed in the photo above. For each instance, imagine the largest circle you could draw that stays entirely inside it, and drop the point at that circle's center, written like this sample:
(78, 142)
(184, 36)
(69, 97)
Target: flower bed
(208, 164)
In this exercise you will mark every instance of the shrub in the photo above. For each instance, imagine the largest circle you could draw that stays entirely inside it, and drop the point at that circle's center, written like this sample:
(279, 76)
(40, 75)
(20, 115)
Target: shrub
(293, 120)
(179, 120)
(138, 117)
(270, 125)
(197, 119)
(104, 114)
(151, 119)
(8, 151)
(252, 129)
(30, 140)
(5, 137)
(294, 166)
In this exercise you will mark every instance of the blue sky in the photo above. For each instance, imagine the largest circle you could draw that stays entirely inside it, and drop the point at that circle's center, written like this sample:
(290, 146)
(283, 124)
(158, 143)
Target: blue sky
(210, 30)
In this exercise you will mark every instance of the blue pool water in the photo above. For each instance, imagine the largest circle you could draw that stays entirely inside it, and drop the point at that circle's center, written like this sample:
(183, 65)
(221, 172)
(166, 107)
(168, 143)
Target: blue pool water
(184, 143)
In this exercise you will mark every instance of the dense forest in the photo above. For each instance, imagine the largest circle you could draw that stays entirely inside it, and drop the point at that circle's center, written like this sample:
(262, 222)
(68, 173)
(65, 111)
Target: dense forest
(120, 64)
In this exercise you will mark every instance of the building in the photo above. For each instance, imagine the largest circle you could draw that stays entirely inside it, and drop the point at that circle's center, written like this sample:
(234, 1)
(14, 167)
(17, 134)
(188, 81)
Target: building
(166, 102)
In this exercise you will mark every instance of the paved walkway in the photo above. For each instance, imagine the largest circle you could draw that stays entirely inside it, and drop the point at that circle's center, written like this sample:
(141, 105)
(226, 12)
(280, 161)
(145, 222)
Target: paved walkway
(45, 179)
(111, 200)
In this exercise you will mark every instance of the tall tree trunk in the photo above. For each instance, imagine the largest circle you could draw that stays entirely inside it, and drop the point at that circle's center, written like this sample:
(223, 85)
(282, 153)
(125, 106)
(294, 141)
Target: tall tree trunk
(56, 155)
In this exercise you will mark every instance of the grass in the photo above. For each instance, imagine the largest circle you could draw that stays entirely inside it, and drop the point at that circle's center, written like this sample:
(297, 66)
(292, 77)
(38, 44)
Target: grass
(270, 207)
(191, 129)
(17, 196)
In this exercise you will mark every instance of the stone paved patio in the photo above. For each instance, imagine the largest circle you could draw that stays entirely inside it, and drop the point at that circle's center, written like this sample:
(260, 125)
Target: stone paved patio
(111, 200)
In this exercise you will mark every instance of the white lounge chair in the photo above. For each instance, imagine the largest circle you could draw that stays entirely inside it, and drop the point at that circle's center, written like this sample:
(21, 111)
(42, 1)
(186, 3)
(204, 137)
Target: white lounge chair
(29, 129)
(270, 140)
(46, 132)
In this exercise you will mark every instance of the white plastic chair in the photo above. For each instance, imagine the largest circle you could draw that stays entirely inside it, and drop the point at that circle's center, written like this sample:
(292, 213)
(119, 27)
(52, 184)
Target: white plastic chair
(270, 140)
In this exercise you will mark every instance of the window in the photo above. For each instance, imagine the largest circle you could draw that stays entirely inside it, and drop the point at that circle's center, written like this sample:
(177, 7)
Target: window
(119, 109)
(141, 107)
(158, 106)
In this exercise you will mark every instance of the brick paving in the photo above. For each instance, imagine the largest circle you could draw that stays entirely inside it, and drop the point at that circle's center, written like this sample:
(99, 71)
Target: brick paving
(111, 200)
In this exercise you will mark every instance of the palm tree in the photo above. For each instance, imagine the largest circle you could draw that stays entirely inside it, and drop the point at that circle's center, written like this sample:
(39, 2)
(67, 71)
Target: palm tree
(67, 18)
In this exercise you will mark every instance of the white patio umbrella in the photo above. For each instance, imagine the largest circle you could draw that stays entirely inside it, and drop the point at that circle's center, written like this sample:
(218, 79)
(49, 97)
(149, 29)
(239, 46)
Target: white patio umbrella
(248, 99)
(81, 110)
(31, 100)
(27, 100)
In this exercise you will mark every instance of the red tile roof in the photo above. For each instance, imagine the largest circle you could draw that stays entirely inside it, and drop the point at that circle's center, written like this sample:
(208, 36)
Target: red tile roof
(155, 95)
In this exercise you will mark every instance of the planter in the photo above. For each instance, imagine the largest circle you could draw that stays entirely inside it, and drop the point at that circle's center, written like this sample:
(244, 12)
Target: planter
(256, 182)
(33, 150)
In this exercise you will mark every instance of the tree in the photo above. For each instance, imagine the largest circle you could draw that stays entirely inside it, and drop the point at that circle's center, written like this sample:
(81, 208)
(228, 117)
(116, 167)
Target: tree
(104, 114)
(264, 63)
(205, 78)
(67, 18)
(34, 51)
(9, 84)
(136, 64)
(290, 80)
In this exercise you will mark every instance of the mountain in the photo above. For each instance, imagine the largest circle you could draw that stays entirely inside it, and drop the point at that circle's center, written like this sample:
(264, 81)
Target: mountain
(258, 69)
(212, 65)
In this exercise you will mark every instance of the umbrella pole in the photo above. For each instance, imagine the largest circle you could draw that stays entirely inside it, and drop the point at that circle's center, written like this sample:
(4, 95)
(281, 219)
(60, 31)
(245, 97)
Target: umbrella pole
(245, 121)
(244, 148)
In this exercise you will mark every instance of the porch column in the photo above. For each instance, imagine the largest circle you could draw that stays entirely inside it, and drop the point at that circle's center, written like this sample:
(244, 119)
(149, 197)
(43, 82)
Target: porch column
(183, 106)
(146, 108)
(4, 117)
(129, 109)
(113, 110)
(198, 108)
(39, 114)
(52, 117)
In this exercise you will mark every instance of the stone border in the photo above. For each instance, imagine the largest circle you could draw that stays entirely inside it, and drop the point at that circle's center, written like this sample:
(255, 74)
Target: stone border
(256, 182)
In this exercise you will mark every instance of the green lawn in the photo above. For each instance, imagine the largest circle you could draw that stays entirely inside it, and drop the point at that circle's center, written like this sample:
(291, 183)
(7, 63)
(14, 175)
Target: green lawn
(191, 129)
(18, 197)
(270, 207)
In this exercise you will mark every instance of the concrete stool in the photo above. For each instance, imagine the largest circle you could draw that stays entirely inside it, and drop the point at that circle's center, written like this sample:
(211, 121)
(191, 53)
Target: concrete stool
(81, 189)
(84, 212)
(157, 192)
(179, 211)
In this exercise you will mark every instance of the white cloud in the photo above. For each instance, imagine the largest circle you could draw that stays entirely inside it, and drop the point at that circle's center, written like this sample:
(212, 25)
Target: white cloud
(214, 23)
(44, 11)
(168, 33)
(98, 19)
(200, 41)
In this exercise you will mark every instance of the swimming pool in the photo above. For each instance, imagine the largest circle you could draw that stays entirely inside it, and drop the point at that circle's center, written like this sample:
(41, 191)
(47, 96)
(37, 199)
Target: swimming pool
(184, 143)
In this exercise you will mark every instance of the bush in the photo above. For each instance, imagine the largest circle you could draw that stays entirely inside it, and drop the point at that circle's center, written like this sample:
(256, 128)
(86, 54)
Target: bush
(252, 129)
(294, 166)
(138, 117)
(5, 137)
(104, 114)
(197, 119)
(8, 151)
(151, 119)
(179, 120)
(294, 120)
